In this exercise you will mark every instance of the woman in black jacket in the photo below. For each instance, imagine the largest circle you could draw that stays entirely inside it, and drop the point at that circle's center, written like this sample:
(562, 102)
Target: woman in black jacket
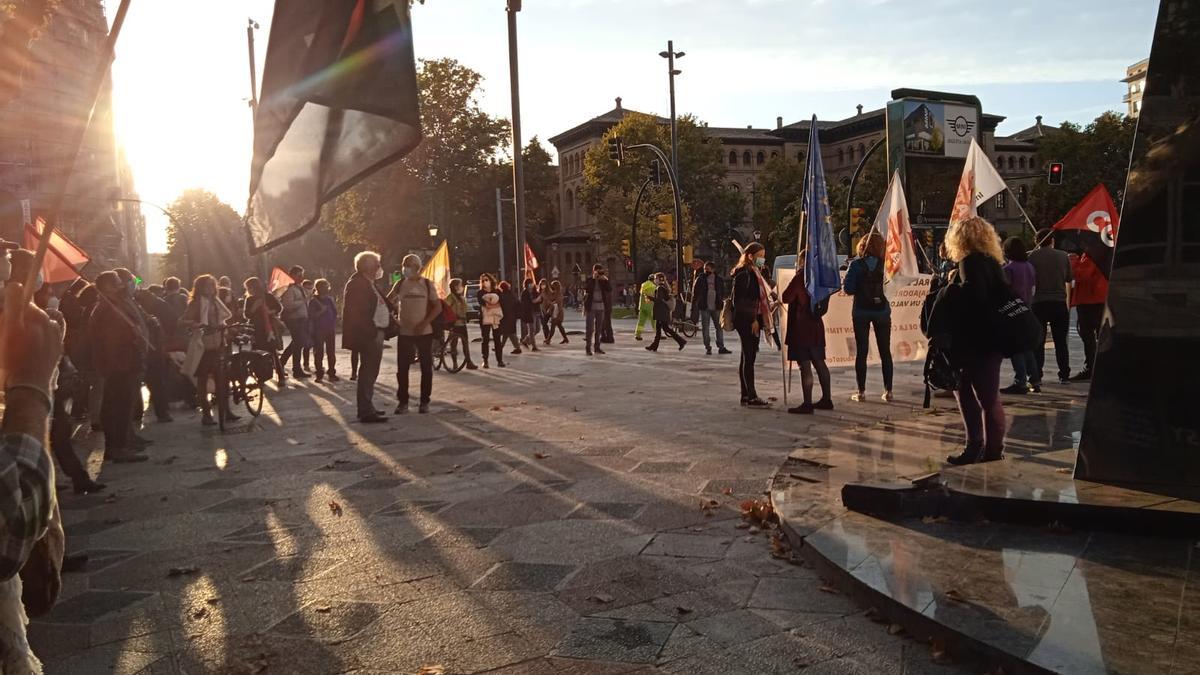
(749, 318)
(509, 304)
(662, 315)
(962, 316)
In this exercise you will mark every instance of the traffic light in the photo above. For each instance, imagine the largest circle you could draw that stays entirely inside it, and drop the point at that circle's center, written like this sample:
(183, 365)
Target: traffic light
(1054, 174)
(625, 247)
(655, 172)
(666, 226)
(628, 264)
(856, 220)
(616, 151)
(687, 254)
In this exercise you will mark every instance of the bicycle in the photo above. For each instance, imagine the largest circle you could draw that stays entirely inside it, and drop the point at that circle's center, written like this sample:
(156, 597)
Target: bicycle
(679, 320)
(240, 374)
(450, 354)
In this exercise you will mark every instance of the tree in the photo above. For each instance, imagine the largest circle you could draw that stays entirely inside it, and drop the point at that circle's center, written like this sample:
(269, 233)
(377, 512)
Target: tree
(208, 234)
(541, 190)
(448, 180)
(868, 193)
(777, 204)
(610, 191)
(1097, 153)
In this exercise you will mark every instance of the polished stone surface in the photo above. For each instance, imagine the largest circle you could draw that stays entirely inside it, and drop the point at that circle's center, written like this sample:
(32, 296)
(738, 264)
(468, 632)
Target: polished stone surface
(1071, 602)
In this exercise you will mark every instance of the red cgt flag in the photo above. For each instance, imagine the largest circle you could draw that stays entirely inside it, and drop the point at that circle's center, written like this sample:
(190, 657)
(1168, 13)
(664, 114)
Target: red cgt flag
(1092, 225)
(63, 260)
(531, 263)
(280, 280)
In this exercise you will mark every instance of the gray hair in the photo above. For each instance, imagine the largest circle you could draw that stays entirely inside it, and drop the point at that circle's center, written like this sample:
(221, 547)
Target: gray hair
(364, 255)
(411, 258)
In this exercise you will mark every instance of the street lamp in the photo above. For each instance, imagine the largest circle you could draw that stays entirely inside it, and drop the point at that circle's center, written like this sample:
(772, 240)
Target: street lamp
(670, 55)
(757, 235)
(433, 230)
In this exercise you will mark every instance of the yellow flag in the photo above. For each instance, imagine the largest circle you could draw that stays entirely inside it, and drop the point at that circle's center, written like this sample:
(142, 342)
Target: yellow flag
(437, 270)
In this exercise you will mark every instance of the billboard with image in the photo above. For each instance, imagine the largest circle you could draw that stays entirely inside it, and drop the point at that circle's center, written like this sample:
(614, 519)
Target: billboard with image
(928, 135)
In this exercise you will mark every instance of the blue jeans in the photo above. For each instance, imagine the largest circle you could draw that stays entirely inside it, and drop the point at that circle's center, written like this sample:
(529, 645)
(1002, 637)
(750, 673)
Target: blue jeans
(1024, 367)
(713, 316)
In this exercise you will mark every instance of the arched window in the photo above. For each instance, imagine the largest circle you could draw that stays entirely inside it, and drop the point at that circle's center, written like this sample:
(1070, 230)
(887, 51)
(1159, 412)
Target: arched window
(735, 187)
(762, 158)
(746, 158)
(841, 157)
(862, 151)
(733, 158)
(774, 155)
(1012, 163)
(1021, 163)
(800, 156)
(850, 154)
(571, 207)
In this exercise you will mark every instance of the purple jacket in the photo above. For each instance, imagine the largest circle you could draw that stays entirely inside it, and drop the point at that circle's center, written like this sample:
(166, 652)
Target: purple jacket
(1021, 276)
(322, 312)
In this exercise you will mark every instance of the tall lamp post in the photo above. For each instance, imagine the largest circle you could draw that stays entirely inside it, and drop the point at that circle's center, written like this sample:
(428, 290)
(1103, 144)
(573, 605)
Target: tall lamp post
(670, 55)
(513, 7)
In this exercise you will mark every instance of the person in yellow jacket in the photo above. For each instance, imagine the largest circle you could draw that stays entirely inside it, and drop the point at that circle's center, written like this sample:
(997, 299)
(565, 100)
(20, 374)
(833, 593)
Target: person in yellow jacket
(645, 306)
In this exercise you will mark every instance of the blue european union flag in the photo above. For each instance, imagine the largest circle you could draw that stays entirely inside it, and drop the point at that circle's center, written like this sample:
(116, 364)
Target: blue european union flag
(821, 276)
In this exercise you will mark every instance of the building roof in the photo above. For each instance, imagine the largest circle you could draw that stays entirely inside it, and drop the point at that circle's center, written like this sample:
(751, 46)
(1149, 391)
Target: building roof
(743, 135)
(599, 124)
(1038, 130)
(1137, 71)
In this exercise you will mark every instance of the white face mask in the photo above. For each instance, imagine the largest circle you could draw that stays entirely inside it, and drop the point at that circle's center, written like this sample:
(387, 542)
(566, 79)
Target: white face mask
(378, 273)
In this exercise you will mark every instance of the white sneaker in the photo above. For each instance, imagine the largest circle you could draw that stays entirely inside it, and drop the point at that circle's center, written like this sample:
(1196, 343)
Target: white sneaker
(859, 397)
(887, 396)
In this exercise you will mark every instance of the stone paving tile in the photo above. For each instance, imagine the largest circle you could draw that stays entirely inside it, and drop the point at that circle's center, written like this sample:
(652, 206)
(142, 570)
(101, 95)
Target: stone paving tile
(92, 605)
(329, 621)
(524, 577)
(662, 467)
(688, 545)
(615, 640)
(606, 510)
(784, 593)
(734, 628)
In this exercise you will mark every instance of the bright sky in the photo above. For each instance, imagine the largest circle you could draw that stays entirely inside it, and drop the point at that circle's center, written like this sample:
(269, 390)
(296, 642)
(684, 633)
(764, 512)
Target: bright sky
(182, 76)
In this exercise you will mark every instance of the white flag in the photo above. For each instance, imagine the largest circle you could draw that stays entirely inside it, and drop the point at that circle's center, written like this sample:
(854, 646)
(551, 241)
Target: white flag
(892, 222)
(980, 182)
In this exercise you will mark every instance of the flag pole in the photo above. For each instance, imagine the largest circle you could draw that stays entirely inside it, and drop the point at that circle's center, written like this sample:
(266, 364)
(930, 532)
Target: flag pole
(1028, 220)
(75, 141)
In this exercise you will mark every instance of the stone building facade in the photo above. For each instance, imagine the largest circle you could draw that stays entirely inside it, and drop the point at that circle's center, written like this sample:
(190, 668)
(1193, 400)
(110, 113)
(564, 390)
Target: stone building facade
(1135, 80)
(34, 131)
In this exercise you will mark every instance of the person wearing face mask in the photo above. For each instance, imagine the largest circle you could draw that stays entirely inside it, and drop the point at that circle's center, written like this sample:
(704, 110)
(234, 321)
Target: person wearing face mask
(116, 335)
(490, 316)
(419, 305)
(662, 315)
(206, 315)
(597, 301)
(366, 317)
(295, 317)
(143, 347)
(751, 314)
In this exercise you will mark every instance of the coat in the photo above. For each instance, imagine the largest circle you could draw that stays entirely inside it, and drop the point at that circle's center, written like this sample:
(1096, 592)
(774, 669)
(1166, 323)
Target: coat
(662, 304)
(508, 305)
(593, 286)
(805, 330)
(263, 312)
(118, 338)
(700, 293)
(359, 300)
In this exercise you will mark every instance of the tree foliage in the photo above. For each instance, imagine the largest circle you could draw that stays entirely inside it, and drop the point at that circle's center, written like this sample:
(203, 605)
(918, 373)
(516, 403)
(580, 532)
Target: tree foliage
(610, 191)
(1096, 153)
(868, 193)
(210, 232)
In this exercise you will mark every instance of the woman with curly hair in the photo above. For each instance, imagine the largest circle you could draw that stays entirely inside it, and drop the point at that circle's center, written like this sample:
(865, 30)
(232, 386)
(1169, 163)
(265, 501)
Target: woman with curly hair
(864, 282)
(962, 313)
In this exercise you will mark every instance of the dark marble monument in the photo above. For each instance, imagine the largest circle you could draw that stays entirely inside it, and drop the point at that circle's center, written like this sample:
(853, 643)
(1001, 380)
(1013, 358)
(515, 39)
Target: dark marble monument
(1143, 418)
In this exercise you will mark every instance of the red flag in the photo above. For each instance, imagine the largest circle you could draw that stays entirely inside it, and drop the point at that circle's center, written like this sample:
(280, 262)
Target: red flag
(280, 280)
(1092, 225)
(63, 258)
(531, 263)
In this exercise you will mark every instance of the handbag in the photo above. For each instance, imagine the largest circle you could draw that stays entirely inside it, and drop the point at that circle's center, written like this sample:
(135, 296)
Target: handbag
(939, 372)
(727, 314)
(449, 316)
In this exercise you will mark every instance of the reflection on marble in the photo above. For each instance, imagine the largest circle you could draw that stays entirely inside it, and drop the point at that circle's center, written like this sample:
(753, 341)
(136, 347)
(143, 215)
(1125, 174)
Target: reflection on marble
(1072, 603)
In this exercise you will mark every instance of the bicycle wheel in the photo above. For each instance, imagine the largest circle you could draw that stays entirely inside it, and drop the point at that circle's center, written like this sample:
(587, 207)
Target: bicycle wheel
(252, 394)
(454, 354)
(687, 328)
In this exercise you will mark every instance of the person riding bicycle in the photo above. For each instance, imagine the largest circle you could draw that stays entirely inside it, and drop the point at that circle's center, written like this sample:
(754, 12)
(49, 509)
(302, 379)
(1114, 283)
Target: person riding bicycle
(206, 315)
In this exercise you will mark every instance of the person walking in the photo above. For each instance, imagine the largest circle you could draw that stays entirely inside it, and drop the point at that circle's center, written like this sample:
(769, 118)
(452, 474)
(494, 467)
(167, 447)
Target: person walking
(751, 313)
(1020, 275)
(543, 310)
(1051, 294)
(206, 316)
(553, 305)
(366, 317)
(262, 310)
(418, 305)
(309, 289)
(708, 292)
(962, 315)
(597, 301)
(662, 315)
(645, 305)
(509, 305)
(322, 315)
(295, 317)
(1088, 298)
(864, 281)
(458, 304)
(806, 342)
(490, 317)
(530, 302)
(119, 344)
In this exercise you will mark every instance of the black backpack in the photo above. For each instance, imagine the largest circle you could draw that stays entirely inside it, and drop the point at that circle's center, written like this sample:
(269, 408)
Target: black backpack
(868, 294)
(940, 373)
(1013, 326)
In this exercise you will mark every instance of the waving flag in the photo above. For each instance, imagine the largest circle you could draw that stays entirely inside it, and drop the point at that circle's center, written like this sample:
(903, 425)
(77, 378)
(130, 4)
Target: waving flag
(531, 263)
(892, 222)
(339, 102)
(63, 258)
(279, 281)
(821, 276)
(1093, 224)
(437, 270)
(980, 182)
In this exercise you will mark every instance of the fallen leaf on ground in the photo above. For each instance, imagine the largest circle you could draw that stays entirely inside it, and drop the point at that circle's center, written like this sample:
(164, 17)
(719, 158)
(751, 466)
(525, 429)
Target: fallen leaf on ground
(727, 491)
(431, 670)
(684, 610)
(292, 441)
(955, 595)
(323, 609)
(495, 408)
(895, 629)
(181, 571)
(601, 597)
(826, 588)
(335, 508)
(540, 455)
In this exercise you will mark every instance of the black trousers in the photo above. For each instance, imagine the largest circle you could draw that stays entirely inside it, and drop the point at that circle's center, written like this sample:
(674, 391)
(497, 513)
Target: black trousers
(465, 341)
(664, 328)
(749, 343)
(422, 345)
(156, 382)
(116, 409)
(1055, 314)
(862, 348)
(1087, 321)
(324, 347)
(353, 363)
(492, 339)
(368, 372)
(60, 442)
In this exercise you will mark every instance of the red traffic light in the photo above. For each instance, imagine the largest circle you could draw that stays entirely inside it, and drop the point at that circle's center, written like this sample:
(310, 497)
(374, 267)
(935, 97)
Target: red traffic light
(629, 264)
(1054, 173)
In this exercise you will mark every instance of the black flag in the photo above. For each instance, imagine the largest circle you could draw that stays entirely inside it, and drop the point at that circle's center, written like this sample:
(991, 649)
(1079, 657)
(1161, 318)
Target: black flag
(339, 101)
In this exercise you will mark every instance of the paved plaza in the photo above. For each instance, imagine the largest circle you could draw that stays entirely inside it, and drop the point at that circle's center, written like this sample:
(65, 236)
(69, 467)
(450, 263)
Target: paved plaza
(565, 514)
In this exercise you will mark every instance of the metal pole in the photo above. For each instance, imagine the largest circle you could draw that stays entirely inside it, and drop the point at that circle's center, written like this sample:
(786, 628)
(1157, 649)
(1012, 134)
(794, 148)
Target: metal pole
(250, 26)
(854, 179)
(677, 203)
(514, 6)
(637, 205)
(674, 167)
(500, 233)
